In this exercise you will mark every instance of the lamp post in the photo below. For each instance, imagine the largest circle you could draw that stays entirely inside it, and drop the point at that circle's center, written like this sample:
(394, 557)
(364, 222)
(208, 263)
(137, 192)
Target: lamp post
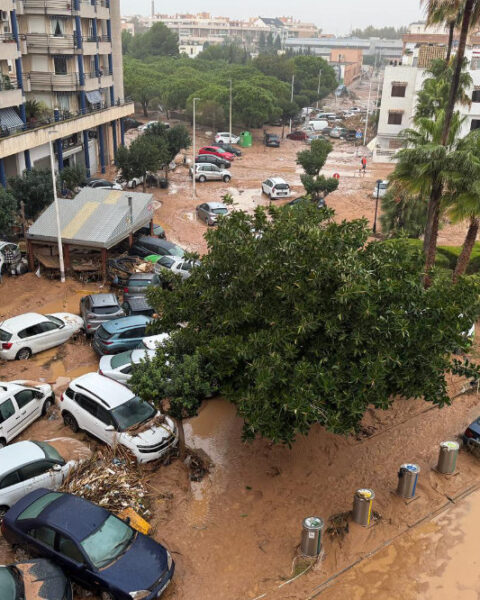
(193, 147)
(57, 214)
(291, 97)
(374, 228)
(230, 115)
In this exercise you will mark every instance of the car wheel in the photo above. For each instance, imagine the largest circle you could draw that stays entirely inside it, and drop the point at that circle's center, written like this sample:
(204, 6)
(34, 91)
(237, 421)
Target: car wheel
(47, 405)
(71, 422)
(3, 443)
(134, 184)
(3, 511)
(202, 179)
(226, 178)
(24, 354)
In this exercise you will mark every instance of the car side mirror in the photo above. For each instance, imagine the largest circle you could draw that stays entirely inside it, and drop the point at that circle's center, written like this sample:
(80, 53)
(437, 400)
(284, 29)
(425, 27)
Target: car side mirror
(57, 467)
(109, 428)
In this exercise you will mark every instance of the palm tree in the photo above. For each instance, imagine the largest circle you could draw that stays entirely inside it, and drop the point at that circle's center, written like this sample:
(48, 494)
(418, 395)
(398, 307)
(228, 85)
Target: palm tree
(438, 13)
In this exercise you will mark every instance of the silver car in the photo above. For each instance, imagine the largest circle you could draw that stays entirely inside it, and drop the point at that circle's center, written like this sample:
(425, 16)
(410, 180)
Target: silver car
(210, 211)
(95, 309)
(208, 172)
(177, 265)
(119, 366)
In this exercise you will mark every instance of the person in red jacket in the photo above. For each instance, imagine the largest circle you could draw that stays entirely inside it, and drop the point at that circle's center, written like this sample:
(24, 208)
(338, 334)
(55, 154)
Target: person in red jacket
(364, 164)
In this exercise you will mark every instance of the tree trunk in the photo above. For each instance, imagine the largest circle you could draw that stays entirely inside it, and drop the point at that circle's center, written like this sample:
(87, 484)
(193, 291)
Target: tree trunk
(451, 29)
(181, 438)
(145, 109)
(467, 248)
(431, 233)
(283, 129)
(467, 15)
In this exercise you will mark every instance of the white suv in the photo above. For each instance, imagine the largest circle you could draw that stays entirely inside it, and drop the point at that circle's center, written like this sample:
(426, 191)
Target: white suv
(112, 413)
(276, 187)
(20, 405)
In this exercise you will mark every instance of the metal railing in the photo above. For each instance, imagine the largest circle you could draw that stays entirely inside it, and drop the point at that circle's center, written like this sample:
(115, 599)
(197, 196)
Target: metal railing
(54, 42)
(50, 6)
(7, 38)
(8, 83)
(100, 73)
(54, 80)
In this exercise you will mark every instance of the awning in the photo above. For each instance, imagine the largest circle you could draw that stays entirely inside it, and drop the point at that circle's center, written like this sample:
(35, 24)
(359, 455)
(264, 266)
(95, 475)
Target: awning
(94, 97)
(9, 119)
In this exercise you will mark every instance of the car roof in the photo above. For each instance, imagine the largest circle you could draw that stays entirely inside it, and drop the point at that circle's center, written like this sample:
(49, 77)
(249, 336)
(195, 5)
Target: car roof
(139, 355)
(103, 299)
(21, 321)
(216, 205)
(123, 323)
(277, 180)
(141, 276)
(111, 392)
(157, 241)
(139, 303)
(18, 454)
(154, 340)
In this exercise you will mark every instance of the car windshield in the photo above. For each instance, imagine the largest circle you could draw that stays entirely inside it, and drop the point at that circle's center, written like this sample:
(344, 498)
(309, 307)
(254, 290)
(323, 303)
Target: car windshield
(109, 542)
(11, 587)
(55, 320)
(50, 452)
(4, 335)
(103, 333)
(219, 211)
(166, 261)
(118, 360)
(105, 310)
(132, 412)
(139, 282)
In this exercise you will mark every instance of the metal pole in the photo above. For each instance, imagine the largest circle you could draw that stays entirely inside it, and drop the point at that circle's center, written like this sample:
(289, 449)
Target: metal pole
(230, 115)
(57, 214)
(374, 228)
(291, 98)
(193, 148)
(318, 89)
(378, 86)
(368, 104)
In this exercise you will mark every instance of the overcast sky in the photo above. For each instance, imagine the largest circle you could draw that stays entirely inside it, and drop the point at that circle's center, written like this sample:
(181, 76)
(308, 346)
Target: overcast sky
(333, 16)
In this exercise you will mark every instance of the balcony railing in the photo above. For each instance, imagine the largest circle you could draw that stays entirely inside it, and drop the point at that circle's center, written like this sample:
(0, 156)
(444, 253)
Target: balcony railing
(7, 82)
(49, 6)
(50, 41)
(100, 73)
(42, 80)
(7, 38)
(64, 115)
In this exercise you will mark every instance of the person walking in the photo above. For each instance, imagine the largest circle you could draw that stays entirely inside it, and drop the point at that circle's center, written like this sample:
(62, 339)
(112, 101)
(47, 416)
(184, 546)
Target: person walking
(364, 165)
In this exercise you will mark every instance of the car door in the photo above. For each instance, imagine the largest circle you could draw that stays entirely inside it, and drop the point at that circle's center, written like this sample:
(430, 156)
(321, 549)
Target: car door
(12, 488)
(87, 414)
(31, 337)
(107, 431)
(135, 336)
(41, 474)
(42, 541)
(29, 407)
(53, 334)
(70, 557)
(9, 419)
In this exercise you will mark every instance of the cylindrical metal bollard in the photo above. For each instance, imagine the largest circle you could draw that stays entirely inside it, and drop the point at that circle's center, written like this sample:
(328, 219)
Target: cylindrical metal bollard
(447, 458)
(362, 506)
(312, 536)
(407, 480)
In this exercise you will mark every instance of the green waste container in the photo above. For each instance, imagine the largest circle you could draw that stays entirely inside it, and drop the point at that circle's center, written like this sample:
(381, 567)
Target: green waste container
(246, 139)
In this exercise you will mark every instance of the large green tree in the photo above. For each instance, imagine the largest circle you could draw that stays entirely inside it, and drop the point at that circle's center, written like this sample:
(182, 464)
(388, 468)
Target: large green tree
(403, 213)
(34, 188)
(312, 162)
(143, 155)
(8, 210)
(253, 105)
(306, 323)
(159, 40)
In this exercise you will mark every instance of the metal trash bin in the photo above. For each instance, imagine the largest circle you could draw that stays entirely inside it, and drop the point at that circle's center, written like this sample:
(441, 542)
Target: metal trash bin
(362, 506)
(447, 458)
(407, 480)
(312, 536)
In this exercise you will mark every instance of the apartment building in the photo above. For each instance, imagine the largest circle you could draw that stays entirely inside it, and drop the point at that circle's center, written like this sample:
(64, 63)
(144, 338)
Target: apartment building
(403, 82)
(322, 46)
(61, 81)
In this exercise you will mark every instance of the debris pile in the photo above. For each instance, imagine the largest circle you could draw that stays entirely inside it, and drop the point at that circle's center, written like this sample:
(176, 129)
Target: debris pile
(338, 525)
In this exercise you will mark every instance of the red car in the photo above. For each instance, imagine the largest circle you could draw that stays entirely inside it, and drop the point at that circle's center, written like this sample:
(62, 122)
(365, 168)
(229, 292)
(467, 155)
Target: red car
(217, 151)
(297, 135)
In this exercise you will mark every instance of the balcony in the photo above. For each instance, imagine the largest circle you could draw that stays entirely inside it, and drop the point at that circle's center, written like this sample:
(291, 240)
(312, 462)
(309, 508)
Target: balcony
(42, 81)
(43, 42)
(10, 96)
(93, 81)
(96, 45)
(47, 7)
(6, 5)
(8, 47)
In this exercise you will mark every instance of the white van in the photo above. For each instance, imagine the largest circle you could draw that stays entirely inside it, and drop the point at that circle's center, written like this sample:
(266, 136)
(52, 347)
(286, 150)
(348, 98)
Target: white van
(316, 125)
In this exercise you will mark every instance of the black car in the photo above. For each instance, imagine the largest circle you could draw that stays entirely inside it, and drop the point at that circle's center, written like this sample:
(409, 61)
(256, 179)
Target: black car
(271, 140)
(145, 245)
(158, 231)
(156, 181)
(17, 580)
(130, 123)
(213, 160)
(90, 544)
(230, 148)
(137, 305)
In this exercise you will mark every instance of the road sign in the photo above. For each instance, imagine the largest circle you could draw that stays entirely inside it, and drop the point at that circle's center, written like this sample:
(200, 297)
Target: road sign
(336, 175)
(359, 135)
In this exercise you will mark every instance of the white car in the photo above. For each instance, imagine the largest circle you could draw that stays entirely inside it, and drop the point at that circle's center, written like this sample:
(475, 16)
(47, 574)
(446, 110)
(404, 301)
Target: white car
(112, 413)
(176, 265)
(131, 185)
(207, 172)
(119, 366)
(153, 341)
(276, 187)
(27, 334)
(27, 466)
(382, 189)
(224, 136)
(22, 403)
(145, 126)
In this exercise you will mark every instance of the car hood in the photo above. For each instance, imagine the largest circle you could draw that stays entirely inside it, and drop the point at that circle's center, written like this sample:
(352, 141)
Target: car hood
(73, 321)
(42, 580)
(152, 434)
(140, 567)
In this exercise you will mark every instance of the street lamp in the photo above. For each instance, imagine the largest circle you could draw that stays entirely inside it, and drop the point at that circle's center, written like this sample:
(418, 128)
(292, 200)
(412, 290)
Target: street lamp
(193, 145)
(374, 228)
(230, 115)
(57, 212)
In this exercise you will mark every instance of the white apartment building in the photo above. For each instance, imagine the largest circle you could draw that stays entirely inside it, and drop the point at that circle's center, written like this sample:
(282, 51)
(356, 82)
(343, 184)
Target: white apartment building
(65, 55)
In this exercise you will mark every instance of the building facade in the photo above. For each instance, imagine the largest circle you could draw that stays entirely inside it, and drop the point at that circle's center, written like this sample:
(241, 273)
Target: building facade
(347, 63)
(61, 81)
(322, 46)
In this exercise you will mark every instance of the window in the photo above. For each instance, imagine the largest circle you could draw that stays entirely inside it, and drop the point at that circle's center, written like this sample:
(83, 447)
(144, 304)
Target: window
(29, 332)
(126, 370)
(476, 96)
(475, 64)
(87, 404)
(58, 26)
(45, 535)
(50, 452)
(60, 63)
(398, 90)
(24, 397)
(10, 479)
(118, 360)
(103, 415)
(47, 327)
(475, 124)
(109, 541)
(68, 548)
(166, 261)
(132, 412)
(35, 469)
(63, 100)
(6, 410)
(395, 118)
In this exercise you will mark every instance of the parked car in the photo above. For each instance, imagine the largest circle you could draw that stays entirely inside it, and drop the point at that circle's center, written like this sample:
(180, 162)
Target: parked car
(276, 187)
(138, 283)
(157, 180)
(210, 211)
(208, 172)
(138, 305)
(304, 200)
(217, 151)
(95, 309)
(131, 184)
(50, 582)
(120, 335)
(179, 266)
(27, 334)
(314, 136)
(336, 133)
(230, 148)
(26, 466)
(298, 135)
(315, 126)
(147, 125)
(90, 544)
(224, 136)
(20, 405)
(113, 413)
(271, 140)
(471, 435)
(102, 183)
(382, 189)
(119, 366)
(153, 341)
(158, 231)
(326, 130)
(350, 134)
(213, 160)
(129, 123)
(145, 245)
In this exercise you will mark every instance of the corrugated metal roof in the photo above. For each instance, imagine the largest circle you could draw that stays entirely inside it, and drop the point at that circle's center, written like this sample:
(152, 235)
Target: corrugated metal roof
(95, 218)
(9, 118)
